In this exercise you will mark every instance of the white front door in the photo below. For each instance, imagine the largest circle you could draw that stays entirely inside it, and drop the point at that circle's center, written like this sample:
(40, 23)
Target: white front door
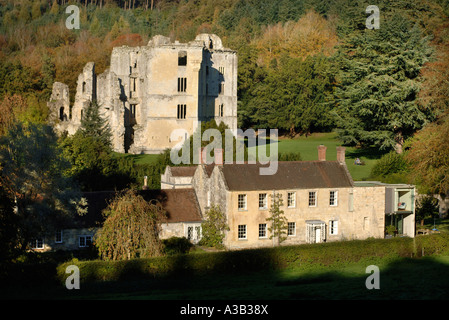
(317, 235)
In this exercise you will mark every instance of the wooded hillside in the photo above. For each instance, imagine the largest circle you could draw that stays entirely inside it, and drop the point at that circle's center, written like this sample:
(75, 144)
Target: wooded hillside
(304, 65)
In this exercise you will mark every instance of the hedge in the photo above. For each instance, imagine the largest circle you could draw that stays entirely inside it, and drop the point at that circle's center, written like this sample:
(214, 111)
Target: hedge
(256, 260)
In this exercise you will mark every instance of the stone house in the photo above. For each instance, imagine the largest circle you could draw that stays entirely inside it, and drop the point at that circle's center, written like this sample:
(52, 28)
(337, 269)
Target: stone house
(183, 219)
(320, 200)
(154, 96)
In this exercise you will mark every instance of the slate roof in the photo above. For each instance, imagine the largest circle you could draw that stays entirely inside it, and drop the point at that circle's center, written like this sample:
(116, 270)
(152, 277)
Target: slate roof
(181, 205)
(289, 175)
(187, 171)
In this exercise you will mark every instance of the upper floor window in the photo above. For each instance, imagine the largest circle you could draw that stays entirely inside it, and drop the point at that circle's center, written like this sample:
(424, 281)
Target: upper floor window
(263, 201)
(182, 84)
(291, 199)
(182, 58)
(221, 70)
(312, 198)
(182, 110)
(242, 202)
(333, 198)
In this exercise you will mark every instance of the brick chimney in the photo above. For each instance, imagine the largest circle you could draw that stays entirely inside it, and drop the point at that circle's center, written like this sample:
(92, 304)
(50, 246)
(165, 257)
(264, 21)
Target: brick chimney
(322, 152)
(218, 153)
(202, 155)
(341, 155)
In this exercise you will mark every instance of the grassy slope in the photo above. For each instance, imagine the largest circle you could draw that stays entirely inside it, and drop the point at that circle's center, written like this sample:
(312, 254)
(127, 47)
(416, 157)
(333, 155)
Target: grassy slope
(400, 278)
(307, 147)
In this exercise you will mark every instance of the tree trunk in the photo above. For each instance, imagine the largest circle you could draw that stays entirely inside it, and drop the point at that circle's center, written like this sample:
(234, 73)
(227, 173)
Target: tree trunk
(399, 142)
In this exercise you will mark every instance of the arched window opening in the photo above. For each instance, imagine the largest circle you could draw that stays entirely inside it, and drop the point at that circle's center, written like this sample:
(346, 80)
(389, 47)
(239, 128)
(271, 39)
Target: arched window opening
(61, 113)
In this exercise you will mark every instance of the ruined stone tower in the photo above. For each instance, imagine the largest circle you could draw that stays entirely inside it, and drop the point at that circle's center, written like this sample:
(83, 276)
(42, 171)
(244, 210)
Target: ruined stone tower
(151, 91)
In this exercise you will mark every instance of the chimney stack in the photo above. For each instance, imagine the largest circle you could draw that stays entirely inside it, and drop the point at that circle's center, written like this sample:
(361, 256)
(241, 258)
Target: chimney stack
(218, 154)
(202, 155)
(341, 155)
(145, 183)
(322, 152)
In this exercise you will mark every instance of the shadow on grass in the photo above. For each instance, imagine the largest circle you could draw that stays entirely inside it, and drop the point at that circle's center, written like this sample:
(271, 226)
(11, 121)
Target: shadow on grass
(368, 153)
(400, 278)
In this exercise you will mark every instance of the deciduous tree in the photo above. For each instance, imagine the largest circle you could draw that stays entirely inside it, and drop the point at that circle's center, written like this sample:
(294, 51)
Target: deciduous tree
(131, 229)
(279, 225)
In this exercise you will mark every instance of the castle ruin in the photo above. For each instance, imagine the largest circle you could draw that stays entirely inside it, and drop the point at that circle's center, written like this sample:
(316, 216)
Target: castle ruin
(148, 92)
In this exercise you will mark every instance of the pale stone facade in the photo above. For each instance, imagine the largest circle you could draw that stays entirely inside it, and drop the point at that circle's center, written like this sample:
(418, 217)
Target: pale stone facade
(326, 205)
(151, 92)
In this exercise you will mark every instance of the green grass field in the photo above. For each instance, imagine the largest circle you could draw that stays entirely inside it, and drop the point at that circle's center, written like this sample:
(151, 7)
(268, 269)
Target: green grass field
(400, 278)
(307, 147)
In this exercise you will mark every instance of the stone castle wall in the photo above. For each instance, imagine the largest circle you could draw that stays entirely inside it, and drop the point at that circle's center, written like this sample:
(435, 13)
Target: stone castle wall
(148, 92)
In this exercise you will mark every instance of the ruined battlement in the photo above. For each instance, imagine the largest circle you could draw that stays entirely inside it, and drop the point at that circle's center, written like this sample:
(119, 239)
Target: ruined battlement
(150, 91)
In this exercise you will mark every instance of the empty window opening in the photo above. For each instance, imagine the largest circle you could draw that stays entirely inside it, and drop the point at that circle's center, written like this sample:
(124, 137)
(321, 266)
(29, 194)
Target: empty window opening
(220, 110)
(182, 58)
(61, 114)
(182, 84)
(221, 88)
(182, 110)
(132, 111)
(221, 70)
(134, 84)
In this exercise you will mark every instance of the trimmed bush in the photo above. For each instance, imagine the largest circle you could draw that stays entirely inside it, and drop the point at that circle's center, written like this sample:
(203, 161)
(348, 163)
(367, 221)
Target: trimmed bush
(176, 245)
(257, 260)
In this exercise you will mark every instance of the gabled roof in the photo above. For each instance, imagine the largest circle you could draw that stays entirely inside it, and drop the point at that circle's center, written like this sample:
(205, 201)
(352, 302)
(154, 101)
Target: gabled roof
(181, 205)
(289, 175)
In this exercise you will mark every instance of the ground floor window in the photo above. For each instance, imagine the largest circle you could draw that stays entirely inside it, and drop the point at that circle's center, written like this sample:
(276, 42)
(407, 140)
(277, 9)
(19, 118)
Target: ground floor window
(333, 227)
(37, 243)
(291, 229)
(241, 232)
(262, 230)
(85, 241)
(193, 233)
(58, 236)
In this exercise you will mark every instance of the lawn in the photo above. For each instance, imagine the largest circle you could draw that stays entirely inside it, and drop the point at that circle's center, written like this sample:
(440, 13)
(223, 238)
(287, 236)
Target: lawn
(399, 278)
(307, 147)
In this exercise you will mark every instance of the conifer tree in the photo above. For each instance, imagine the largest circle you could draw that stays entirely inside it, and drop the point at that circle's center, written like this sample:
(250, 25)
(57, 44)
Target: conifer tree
(94, 125)
(376, 101)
